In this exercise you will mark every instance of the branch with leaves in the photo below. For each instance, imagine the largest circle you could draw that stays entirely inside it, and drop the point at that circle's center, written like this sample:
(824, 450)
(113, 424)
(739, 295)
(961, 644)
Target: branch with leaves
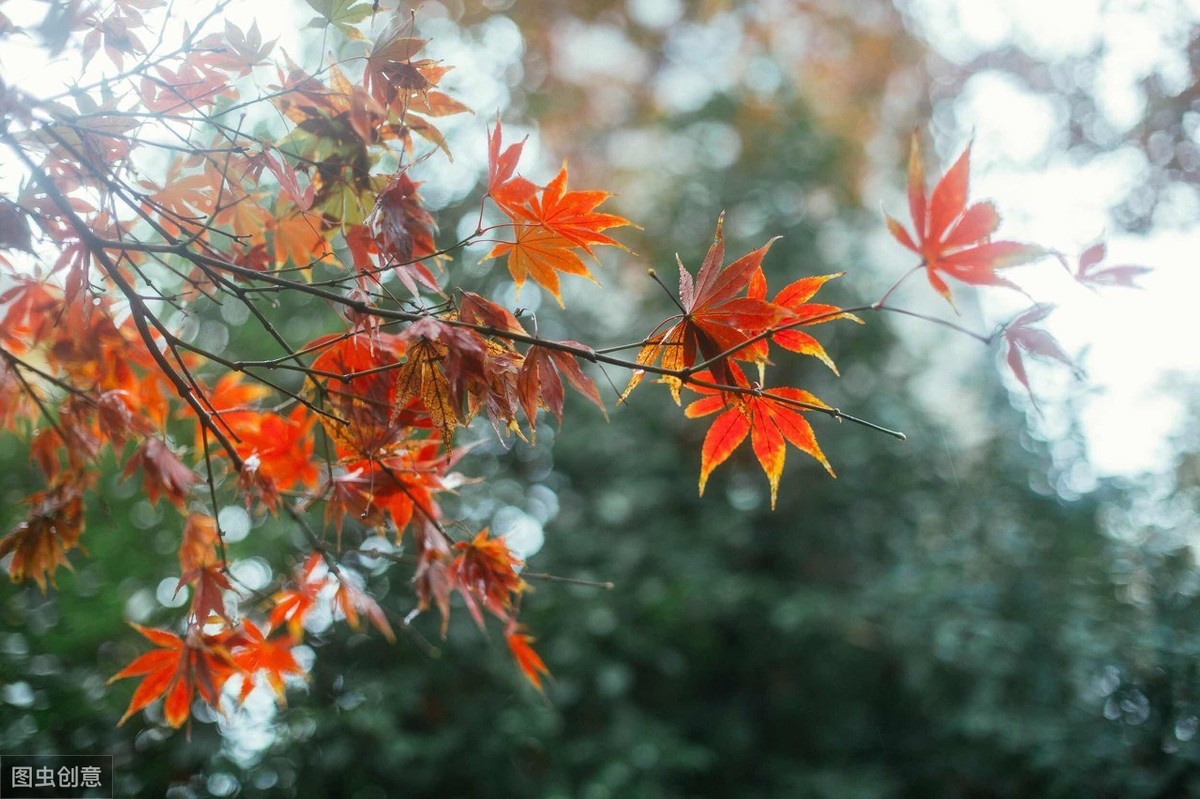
(147, 201)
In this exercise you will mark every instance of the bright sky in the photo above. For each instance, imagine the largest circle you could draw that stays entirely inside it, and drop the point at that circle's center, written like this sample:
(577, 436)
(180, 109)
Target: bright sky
(1130, 341)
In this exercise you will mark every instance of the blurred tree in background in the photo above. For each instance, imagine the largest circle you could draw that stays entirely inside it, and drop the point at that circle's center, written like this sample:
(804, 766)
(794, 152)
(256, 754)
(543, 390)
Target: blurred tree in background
(951, 617)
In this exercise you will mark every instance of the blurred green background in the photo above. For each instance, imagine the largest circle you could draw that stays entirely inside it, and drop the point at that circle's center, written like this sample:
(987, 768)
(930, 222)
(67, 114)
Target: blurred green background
(958, 615)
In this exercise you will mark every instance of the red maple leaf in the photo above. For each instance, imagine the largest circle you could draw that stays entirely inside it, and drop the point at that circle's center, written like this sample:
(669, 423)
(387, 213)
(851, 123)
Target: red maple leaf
(162, 472)
(485, 573)
(539, 382)
(201, 567)
(366, 402)
(508, 190)
(714, 319)
(952, 238)
(404, 231)
(771, 417)
(519, 644)
(795, 297)
(180, 668)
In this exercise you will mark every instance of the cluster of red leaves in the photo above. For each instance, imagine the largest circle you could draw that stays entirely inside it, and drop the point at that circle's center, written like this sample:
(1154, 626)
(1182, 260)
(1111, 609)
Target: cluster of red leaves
(91, 375)
(954, 239)
(216, 645)
(201, 663)
(114, 397)
(725, 318)
(325, 213)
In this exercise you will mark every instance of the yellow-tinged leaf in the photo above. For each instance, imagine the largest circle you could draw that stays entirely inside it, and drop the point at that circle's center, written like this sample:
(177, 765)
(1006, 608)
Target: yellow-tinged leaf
(771, 417)
(422, 377)
(540, 253)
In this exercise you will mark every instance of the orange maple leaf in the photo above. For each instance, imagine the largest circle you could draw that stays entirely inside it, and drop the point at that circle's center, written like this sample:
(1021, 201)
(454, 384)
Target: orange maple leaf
(531, 665)
(298, 237)
(281, 448)
(952, 238)
(485, 572)
(201, 567)
(538, 252)
(547, 228)
(572, 214)
(292, 605)
(795, 297)
(772, 419)
(180, 668)
(256, 654)
(40, 543)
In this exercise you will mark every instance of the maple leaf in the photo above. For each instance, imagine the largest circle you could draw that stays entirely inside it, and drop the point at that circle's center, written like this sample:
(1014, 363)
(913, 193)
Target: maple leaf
(232, 403)
(366, 402)
(390, 70)
(297, 237)
(116, 419)
(14, 227)
(432, 579)
(771, 417)
(442, 361)
(715, 319)
(538, 252)
(256, 654)
(245, 50)
(40, 542)
(530, 663)
(572, 214)
(422, 376)
(952, 238)
(34, 308)
(509, 191)
(286, 175)
(282, 447)
(539, 383)
(485, 573)
(479, 311)
(292, 605)
(1089, 275)
(795, 298)
(397, 486)
(353, 600)
(404, 232)
(547, 228)
(1021, 337)
(179, 669)
(342, 14)
(162, 472)
(201, 567)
